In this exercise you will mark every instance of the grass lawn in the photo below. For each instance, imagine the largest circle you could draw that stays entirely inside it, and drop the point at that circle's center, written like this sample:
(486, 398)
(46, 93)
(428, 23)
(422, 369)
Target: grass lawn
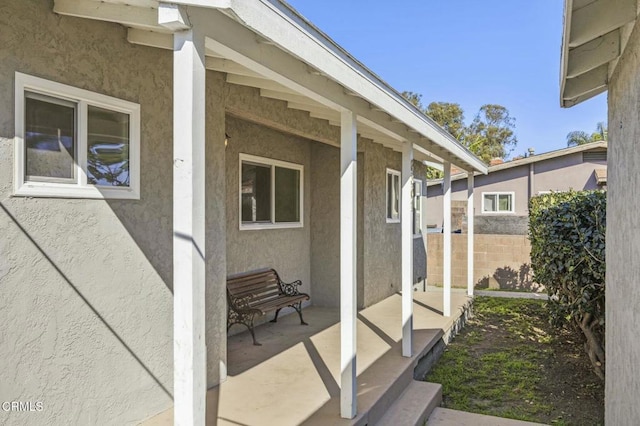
(509, 362)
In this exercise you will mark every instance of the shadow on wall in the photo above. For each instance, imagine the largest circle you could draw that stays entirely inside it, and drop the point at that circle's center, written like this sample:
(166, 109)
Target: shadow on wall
(508, 278)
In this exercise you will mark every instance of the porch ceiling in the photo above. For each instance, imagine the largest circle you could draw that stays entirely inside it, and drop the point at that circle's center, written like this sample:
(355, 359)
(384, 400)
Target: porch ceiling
(265, 44)
(595, 34)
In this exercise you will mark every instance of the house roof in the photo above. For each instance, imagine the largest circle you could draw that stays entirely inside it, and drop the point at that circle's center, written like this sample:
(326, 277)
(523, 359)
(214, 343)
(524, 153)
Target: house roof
(595, 33)
(268, 45)
(600, 146)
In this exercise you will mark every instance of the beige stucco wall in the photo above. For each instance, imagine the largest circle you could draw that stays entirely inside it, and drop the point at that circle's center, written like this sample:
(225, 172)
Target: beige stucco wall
(622, 388)
(86, 285)
(382, 255)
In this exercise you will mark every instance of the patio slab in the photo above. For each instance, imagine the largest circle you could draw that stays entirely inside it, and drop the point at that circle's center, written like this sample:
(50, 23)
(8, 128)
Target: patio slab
(294, 377)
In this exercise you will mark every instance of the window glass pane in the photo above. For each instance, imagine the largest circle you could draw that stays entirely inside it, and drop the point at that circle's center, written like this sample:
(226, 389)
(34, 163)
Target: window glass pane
(489, 203)
(50, 139)
(256, 193)
(107, 147)
(505, 202)
(389, 196)
(396, 196)
(287, 195)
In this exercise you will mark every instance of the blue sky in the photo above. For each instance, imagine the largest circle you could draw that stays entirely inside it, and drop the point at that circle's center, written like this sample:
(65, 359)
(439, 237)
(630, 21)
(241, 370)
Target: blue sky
(469, 52)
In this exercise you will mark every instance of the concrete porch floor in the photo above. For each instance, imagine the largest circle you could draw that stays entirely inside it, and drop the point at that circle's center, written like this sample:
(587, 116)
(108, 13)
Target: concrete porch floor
(294, 377)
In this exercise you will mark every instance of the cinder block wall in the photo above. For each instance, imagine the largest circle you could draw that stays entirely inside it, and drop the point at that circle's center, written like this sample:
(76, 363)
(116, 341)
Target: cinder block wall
(501, 261)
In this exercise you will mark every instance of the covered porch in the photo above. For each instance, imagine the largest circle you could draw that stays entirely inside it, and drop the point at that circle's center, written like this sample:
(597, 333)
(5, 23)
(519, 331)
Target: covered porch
(294, 377)
(232, 60)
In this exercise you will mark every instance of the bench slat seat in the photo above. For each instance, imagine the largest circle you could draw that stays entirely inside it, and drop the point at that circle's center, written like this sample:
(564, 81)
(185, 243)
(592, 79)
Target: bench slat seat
(255, 293)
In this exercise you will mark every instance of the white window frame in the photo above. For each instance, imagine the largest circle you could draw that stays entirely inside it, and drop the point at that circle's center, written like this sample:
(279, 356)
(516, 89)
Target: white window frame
(417, 183)
(498, 193)
(82, 99)
(393, 172)
(272, 164)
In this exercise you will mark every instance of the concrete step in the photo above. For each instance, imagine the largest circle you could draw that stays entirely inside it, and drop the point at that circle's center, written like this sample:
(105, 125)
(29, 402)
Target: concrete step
(414, 405)
(448, 417)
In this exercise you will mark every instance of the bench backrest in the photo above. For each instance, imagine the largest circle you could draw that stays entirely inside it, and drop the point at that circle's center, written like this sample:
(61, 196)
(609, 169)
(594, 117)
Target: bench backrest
(259, 286)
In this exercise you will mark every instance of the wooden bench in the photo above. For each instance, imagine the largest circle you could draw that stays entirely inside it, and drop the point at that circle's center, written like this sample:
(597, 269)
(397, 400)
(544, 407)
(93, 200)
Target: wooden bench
(258, 292)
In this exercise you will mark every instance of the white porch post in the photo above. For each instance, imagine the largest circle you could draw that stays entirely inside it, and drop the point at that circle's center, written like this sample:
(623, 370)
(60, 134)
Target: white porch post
(348, 283)
(446, 264)
(470, 235)
(407, 249)
(189, 350)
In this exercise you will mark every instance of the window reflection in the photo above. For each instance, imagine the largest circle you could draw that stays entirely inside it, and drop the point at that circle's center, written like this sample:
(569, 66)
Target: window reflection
(107, 147)
(49, 138)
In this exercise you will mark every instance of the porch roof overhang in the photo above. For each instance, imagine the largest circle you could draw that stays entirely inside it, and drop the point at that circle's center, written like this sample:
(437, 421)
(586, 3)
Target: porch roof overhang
(266, 44)
(595, 34)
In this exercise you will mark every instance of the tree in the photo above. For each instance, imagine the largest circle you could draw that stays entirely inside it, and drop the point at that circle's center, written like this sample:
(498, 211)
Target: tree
(450, 116)
(414, 98)
(491, 134)
(579, 137)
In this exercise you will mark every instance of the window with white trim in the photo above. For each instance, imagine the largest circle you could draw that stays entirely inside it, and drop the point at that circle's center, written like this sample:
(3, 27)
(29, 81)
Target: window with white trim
(498, 202)
(74, 143)
(417, 207)
(271, 193)
(393, 196)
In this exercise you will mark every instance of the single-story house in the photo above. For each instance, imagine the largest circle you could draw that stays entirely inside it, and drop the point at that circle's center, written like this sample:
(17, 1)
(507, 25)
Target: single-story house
(147, 150)
(600, 52)
(502, 202)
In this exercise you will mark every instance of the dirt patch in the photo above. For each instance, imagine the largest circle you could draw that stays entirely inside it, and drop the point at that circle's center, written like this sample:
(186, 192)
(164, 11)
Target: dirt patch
(509, 362)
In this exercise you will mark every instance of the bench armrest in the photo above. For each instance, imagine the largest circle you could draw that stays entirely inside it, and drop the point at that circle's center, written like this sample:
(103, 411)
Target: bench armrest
(290, 289)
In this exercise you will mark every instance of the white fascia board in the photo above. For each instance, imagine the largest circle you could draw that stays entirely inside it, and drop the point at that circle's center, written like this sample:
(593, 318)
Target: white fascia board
(564, 49)
(278, 23)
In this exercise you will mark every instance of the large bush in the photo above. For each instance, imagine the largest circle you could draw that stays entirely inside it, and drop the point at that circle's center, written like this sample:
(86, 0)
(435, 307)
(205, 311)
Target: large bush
(567, 233)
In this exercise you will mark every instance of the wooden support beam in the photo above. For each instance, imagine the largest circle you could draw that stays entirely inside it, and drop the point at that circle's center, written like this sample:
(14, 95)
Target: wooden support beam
(584, 83)
(446, 230)
(591, 55)
(599, 18)
(189, 349)
(150, 38)
(348, 264)
(406, 223)
(130, 16)
(470, 234)
(173, 17)
(229, 67)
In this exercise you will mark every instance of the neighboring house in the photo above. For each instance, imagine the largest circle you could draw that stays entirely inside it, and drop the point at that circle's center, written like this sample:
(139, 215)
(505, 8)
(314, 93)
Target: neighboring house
(501, 204)
(149, 149)
(600, 52)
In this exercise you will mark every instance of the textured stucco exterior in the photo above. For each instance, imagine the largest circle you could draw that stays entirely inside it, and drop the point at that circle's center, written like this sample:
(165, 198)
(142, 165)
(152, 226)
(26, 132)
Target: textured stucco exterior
(382, 251)
(560, 173)
(85, 285)
(622, 389)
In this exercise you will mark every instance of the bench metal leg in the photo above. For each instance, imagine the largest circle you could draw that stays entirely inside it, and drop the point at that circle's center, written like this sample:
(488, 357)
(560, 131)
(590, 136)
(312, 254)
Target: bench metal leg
(298, 308)
(275, 319)
(249, 325)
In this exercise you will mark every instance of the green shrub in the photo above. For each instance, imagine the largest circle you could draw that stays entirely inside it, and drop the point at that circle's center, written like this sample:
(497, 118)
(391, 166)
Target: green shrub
(567, 233)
